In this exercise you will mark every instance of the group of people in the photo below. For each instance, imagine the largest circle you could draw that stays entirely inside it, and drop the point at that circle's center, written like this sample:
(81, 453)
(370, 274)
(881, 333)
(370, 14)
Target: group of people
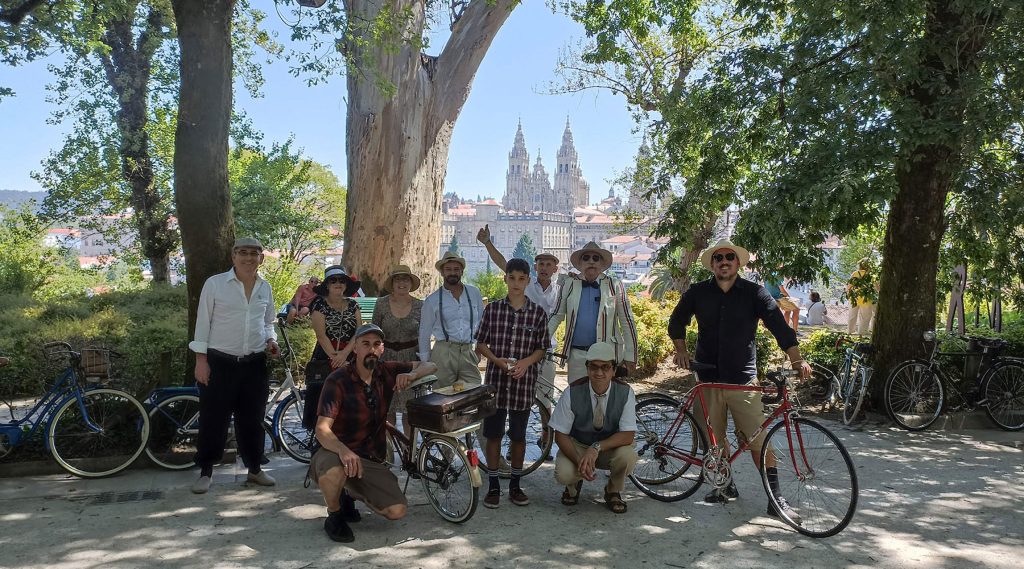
(365, 367)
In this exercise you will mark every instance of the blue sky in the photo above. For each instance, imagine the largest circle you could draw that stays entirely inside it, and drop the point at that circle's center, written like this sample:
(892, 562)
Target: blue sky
(508, 87)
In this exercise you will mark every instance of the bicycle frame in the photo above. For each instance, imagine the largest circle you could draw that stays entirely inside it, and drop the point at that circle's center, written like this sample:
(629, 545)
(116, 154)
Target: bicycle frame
(407, 449)
(785, 409)
(63, 389)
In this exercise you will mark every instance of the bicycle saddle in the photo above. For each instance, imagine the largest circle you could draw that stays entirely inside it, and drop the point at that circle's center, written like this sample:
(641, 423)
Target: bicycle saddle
(422, 382)
(989, 342)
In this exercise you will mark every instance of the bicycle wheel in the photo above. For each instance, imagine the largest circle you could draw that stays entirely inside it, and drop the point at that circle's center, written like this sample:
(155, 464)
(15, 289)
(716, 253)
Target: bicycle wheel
(296, 440)
(444, 471)
(1003, 390)
(815, 475)
(853, 395)
(101, 436)
(174, 432)
(668, 469)
(538, 443)
(913, 395)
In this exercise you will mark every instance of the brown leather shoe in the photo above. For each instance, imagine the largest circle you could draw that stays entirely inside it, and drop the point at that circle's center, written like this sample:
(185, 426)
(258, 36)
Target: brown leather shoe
(518, 497)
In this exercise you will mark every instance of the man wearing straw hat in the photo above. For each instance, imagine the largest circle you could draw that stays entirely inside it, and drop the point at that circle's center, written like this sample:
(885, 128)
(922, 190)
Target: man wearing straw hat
(595, 309)
(451, 316)
(728, 308)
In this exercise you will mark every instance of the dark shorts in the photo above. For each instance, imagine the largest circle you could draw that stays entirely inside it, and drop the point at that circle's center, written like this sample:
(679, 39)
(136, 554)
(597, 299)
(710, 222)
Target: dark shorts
(494, 426)
(378, 487)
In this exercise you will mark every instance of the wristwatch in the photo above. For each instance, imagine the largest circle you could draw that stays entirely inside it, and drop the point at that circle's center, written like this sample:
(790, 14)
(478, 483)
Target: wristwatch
(596, 446)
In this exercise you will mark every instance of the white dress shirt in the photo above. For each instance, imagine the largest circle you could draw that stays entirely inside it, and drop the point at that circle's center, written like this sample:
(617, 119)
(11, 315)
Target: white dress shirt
(228, 322)
(546, 299)
(456, 317)
(563, 417)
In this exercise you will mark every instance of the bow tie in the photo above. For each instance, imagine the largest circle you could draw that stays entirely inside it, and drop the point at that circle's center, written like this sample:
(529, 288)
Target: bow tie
(587, 284)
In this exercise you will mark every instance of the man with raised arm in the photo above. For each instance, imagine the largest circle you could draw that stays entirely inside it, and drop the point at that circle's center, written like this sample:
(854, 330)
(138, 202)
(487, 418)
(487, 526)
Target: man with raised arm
(451, 316)
(351, 430)
(728, 308)
(234, 330)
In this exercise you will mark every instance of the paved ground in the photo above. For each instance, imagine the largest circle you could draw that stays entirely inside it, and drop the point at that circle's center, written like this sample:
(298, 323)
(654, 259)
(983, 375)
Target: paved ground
(929, 500)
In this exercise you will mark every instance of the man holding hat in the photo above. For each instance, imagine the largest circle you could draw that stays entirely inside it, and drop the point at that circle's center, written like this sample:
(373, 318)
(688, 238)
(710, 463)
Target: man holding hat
(728, 308)
(351, 430)
(594, 424)
(234, 330)
(595, 309)
(451, 315)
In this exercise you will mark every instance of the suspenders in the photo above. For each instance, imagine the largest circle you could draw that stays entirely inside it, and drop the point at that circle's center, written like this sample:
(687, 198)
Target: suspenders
(440, 314)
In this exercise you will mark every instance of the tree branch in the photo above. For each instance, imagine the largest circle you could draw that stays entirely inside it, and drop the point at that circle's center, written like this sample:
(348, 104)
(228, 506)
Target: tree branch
(15, 15)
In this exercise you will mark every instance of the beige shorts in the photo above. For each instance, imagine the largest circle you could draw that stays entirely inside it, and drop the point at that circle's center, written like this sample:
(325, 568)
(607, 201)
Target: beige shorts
(378, 487)
(747, 415)
(455, 362)
(786, 304)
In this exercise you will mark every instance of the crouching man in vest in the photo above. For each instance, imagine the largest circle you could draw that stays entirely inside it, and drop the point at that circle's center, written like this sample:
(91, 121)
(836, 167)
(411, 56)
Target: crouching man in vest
(594, 424)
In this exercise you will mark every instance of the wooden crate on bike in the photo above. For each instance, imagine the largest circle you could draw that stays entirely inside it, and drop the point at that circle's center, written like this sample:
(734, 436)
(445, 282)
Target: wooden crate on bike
(443, 413)
(96, 364)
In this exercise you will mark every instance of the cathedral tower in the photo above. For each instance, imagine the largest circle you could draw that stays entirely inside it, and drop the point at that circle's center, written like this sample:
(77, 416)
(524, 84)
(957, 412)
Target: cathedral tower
(569, 181)
(517, 178)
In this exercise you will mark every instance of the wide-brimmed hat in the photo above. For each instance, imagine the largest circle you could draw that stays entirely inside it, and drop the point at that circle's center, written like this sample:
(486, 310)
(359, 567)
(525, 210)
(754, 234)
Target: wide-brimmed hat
(351, 285)
(368, 328)
(448, 258)
(601, 351)
(250, 242)
(743, 254)
(401, 270)
(540, 256)
(591, 247)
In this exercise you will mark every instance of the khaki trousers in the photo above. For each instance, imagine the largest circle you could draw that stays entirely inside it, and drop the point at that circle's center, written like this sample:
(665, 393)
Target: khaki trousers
(455, 362)
(620, 461)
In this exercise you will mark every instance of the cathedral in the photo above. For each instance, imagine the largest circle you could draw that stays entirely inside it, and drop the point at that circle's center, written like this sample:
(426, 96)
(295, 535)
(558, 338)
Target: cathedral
(530, 191)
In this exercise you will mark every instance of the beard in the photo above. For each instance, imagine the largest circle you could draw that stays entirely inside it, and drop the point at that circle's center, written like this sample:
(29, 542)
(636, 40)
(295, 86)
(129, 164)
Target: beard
(370, 361)
(452, 279)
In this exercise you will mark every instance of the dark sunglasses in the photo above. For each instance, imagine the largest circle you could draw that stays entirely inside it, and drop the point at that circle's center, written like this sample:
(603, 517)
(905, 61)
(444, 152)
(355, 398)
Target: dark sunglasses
(586, 258)
(333, 280)
(718, 257)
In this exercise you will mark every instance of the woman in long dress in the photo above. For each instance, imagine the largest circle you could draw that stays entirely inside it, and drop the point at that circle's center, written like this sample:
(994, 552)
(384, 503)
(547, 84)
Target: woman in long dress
(398, 315)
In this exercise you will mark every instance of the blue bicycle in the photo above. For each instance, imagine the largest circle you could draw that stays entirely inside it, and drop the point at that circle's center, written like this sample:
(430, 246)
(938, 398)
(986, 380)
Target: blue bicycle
(91, 431)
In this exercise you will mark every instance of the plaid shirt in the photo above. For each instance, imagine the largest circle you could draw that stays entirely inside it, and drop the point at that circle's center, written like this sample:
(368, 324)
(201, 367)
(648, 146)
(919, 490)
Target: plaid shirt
(515, 334)
(360, 410)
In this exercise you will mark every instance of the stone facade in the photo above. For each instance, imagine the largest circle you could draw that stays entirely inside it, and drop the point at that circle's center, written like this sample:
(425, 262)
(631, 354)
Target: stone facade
(531, 190)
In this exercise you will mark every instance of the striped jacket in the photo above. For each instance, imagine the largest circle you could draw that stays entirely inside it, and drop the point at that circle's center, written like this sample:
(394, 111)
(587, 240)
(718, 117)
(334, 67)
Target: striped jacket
(615, 323)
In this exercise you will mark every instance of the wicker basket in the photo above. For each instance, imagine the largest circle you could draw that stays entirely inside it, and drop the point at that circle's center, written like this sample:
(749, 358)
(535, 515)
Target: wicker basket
(96, 363)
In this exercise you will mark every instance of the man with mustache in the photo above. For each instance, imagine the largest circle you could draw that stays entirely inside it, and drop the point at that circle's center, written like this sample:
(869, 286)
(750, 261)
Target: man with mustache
(350, 427)
(728, 308)
(451, 316)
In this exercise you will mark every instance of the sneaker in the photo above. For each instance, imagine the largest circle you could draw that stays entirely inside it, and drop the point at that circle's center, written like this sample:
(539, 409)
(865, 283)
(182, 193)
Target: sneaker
(723, 495)
(348, 509)
(781, 505)
(260, 478)
(337, 529)
(518, 497)
(493, 499)
(202, 485)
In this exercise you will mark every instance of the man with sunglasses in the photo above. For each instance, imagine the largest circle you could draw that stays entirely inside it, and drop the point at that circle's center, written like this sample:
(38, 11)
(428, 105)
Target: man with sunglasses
(728, 308)
(595, 309)
(350, 429)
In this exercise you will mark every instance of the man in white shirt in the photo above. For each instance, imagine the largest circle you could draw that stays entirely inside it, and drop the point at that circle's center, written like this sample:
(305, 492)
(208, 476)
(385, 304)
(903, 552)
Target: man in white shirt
(234, 329)
(595, 424)
(451, 315)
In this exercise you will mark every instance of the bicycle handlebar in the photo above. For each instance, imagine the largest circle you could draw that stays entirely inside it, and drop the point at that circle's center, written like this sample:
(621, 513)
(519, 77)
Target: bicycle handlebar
(779, 379)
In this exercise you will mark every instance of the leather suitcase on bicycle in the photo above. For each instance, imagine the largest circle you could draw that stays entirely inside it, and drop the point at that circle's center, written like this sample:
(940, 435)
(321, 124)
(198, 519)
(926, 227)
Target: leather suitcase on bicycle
(446, 413)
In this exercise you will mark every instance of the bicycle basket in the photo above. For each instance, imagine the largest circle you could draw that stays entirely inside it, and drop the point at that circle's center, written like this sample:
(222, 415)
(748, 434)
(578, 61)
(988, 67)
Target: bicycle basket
(96, 364)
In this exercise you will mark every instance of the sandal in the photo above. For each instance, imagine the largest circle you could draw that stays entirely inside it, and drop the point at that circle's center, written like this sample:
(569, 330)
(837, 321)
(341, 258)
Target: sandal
(570, 500)
(614, 502)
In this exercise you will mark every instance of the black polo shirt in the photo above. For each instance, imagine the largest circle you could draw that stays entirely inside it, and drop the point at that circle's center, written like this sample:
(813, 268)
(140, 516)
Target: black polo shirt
(727, 325)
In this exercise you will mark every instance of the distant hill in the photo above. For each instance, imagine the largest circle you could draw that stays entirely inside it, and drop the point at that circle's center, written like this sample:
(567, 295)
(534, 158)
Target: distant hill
(13, 198)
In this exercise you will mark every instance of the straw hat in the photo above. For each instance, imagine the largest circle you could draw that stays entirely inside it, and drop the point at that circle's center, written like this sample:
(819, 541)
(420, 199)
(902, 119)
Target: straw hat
(591, 247)
(448, 258)
(351, 285)
(705, 257)
(401, 270)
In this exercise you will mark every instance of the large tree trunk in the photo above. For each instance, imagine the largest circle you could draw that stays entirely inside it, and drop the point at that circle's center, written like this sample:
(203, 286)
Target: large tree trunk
(698, 242)
(201, 142)
(397, 145)
(128, 67)
(927, 168)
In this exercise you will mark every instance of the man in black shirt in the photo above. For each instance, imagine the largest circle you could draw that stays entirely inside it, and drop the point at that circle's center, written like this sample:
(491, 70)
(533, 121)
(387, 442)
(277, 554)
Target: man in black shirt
(728, 309)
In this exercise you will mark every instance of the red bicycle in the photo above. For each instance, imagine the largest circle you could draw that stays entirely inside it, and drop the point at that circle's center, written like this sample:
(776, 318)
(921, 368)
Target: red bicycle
(816, 475)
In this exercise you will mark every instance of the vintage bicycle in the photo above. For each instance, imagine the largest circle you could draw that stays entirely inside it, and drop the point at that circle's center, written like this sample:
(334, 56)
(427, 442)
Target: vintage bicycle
(816, 475)
(918, 390)
(174, 417)
(91, 430)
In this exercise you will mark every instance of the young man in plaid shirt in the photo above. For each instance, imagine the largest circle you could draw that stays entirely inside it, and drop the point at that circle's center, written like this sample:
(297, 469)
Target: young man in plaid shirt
(513, 336)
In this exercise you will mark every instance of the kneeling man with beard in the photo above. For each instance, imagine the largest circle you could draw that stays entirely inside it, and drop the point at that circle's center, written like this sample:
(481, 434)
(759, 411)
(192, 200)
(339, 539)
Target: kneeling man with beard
(352, 413)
